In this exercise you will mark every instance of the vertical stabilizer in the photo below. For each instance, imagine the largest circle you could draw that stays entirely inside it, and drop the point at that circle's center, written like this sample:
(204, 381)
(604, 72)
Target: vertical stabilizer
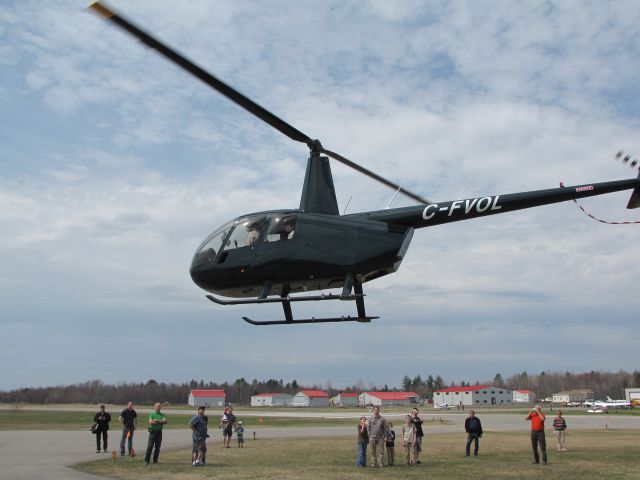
(318, 192)
(634, 201)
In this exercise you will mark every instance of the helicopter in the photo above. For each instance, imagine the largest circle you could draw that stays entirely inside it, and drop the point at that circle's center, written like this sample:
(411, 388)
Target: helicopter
(265, 257)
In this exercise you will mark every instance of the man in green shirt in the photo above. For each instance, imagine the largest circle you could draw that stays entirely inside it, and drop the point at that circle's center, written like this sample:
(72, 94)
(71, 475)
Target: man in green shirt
(157, 420)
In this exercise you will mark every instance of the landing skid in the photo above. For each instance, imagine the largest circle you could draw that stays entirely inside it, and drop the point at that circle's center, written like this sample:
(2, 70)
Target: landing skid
(309, 320)
(285, 300)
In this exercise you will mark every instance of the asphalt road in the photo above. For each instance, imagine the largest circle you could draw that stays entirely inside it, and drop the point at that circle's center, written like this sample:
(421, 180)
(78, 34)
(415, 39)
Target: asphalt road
(47, 455)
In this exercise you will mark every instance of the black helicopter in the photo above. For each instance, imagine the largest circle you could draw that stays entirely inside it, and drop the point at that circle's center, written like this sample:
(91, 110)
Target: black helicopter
(264, 257)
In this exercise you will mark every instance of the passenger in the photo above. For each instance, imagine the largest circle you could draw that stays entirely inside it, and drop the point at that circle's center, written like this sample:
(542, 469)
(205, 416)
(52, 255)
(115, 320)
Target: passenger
(252, 236)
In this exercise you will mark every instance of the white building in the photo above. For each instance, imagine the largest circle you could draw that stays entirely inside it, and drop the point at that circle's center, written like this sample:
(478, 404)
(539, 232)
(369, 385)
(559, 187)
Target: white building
(389, 398)
(632, 395)
(473, 396)
(310, 398)
(346, 400)
(271, 400)
(524, 396)
(572, 396)
(208, 398)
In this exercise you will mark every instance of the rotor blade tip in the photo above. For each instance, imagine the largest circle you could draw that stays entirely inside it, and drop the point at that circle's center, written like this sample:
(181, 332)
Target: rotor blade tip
(101, 10)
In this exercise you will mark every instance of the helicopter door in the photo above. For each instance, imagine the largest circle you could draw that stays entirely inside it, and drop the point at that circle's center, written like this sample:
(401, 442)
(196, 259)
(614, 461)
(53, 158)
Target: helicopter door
(239, 249)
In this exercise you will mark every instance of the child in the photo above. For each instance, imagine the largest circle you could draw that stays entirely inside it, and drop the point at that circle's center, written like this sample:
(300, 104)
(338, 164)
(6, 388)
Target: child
(390, 440)
(240, 434)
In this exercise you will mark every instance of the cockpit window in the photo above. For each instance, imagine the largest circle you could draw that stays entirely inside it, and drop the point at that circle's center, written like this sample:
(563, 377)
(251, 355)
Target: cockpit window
(282, 227)
(246, 232)
(211, 246)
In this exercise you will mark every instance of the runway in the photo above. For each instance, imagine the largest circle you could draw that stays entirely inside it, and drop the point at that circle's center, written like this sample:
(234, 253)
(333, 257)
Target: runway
(48, 455)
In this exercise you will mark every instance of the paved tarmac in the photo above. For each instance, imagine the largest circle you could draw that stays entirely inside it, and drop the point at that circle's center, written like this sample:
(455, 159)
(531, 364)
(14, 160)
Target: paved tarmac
(48, 455)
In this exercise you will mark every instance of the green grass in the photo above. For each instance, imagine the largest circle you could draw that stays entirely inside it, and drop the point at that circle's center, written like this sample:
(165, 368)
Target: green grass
(18, 419)
(504, 455)
(45, 420)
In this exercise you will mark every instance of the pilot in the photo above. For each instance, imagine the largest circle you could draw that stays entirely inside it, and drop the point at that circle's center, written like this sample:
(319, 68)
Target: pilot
(252, 236)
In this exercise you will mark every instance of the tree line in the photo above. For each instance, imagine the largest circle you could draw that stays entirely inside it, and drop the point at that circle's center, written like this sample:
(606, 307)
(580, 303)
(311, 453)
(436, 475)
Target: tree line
(239, 392)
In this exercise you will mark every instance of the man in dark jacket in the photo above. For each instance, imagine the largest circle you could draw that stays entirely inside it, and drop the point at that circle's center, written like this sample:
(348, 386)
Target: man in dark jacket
(102, 419)
(473, 427)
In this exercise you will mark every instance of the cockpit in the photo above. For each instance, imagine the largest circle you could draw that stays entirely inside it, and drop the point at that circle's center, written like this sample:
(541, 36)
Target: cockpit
(245, 232)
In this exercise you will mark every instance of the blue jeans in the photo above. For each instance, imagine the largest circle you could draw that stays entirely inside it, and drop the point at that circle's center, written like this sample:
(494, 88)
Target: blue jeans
(472, 437)
(362, 455)
(125, 438)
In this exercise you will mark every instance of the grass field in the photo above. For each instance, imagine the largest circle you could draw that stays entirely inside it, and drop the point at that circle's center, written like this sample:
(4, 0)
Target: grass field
(42, 420)
(591, 455)
(82, 420)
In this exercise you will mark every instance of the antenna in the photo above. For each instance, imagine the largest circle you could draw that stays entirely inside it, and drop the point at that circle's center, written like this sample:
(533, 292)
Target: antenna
(465, 188)
(347, 205)
(392, 198)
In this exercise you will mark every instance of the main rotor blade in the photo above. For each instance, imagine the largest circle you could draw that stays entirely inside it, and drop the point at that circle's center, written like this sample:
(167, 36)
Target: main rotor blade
(206, 77)
(238, 98)
(375, 176)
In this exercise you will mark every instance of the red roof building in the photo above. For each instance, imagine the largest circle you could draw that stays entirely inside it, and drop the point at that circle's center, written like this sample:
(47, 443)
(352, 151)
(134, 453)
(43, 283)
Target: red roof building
(310, 398)
(389, 398)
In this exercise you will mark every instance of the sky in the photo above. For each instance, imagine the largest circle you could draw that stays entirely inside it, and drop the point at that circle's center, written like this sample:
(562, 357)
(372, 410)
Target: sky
(115, 165)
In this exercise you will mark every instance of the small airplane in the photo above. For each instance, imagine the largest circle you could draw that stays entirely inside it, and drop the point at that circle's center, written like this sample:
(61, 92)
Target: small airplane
(598, 410)
(443, 406)
(264, 257)
(611, 403)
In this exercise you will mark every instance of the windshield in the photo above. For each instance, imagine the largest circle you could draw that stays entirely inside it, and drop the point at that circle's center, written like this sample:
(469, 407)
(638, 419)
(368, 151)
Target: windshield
(208, 250)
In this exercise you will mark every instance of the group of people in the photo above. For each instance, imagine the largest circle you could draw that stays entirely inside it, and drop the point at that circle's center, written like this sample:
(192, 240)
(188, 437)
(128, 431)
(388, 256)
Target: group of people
(129, 420)
(155, 423)
(378, 435)
(375, 430)
(538, 438)
(374, 433)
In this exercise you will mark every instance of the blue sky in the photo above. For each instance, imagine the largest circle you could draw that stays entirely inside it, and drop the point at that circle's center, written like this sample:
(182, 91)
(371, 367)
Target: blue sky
(115, 165)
